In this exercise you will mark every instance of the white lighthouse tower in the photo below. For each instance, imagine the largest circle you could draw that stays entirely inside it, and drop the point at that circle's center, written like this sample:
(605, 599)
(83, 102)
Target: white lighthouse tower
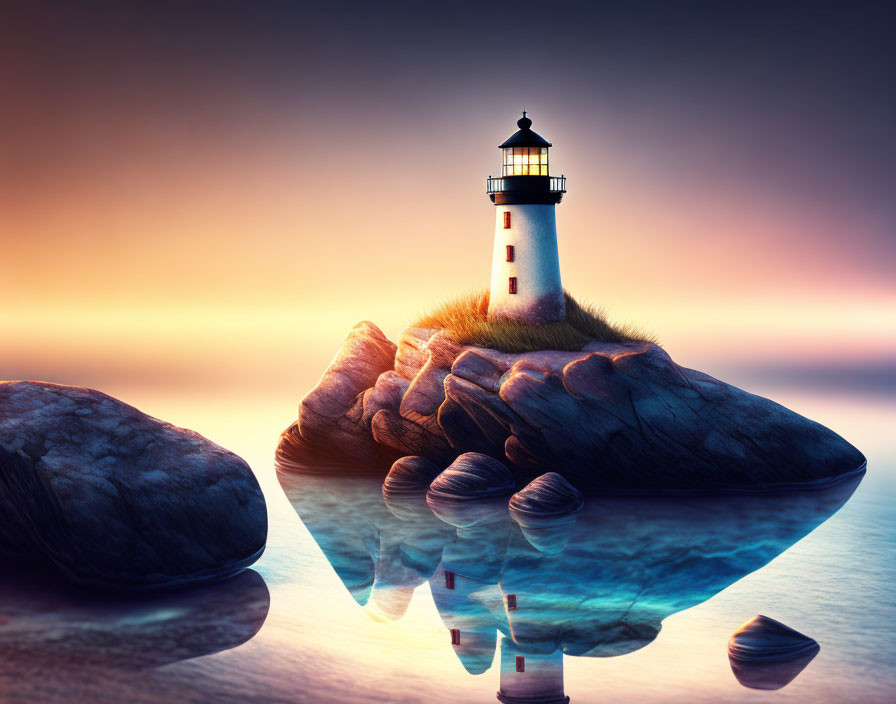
(525, 264)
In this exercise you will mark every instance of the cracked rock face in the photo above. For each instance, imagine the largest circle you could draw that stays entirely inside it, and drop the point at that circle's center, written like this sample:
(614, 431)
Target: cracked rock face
(611, 417)
(111, 497)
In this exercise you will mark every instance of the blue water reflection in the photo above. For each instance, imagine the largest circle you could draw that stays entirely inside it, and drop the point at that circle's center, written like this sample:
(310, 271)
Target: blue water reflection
(600, 586)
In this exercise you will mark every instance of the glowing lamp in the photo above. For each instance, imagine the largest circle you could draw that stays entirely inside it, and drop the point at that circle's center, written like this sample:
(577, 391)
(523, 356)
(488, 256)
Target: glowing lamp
(526, 266)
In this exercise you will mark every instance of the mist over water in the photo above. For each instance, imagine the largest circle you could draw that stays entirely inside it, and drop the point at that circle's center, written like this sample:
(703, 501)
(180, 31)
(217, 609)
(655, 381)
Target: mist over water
(318, 643)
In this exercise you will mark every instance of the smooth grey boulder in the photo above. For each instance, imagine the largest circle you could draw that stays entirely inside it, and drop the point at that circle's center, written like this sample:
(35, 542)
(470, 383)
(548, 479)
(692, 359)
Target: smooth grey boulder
(613, 417)
(766, 654)
(111, 497)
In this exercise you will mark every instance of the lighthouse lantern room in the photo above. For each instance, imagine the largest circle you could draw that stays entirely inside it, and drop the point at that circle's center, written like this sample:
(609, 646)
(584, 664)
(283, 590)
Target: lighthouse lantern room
(525, 282)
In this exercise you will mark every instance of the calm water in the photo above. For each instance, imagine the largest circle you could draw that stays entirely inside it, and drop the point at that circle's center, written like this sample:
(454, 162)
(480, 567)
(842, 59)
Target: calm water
(349, 604)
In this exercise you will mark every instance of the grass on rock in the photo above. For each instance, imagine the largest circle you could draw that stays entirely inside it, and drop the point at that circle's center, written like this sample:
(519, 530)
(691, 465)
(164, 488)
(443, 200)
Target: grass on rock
(464, 318)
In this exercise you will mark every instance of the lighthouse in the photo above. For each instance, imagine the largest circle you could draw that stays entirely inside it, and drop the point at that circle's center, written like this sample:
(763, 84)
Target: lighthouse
(525, 282)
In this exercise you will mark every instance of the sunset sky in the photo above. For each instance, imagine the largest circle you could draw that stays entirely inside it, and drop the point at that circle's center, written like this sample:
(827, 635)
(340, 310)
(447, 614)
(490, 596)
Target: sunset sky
(215, 192)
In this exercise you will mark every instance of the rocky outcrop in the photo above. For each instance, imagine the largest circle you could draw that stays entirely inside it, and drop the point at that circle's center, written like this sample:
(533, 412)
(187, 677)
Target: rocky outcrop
(335, 417)
(612, 417)
(109, 496)
(766, 654)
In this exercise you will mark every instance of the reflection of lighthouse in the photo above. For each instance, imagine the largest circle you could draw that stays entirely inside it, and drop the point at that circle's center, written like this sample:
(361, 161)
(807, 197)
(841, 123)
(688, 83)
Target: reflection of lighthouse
(530, 678)
(525, 263)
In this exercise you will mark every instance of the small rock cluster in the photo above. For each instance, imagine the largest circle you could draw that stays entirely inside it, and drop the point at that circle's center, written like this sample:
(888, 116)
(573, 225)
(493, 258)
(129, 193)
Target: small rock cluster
(466, 493)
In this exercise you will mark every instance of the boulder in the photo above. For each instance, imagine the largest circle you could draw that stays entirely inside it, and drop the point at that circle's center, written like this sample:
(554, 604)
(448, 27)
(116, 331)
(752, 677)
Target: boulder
(613, 417)
(766, 654)
(472, 477)
(410, 352)
(404, 489)
(545, 510)
(410, 475)
(471, 495)
(547, 496)
(109, 496)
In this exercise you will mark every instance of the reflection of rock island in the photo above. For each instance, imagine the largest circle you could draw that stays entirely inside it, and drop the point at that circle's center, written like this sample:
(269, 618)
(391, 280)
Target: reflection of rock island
(628, 563)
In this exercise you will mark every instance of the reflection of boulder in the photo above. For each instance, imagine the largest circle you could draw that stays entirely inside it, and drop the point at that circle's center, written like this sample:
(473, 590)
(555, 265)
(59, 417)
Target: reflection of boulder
(612, 416)
(45, 626)
(766, 654)
(110, 497)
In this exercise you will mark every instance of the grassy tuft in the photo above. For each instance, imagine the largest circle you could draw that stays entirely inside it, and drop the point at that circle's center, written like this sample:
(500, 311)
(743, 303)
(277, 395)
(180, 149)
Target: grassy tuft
(465, 320)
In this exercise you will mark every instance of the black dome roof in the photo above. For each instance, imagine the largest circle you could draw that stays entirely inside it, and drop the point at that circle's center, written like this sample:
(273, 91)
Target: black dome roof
(525, 137)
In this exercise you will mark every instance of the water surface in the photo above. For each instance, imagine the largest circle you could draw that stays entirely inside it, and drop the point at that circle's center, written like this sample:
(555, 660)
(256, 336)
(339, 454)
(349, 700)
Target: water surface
(349, 602)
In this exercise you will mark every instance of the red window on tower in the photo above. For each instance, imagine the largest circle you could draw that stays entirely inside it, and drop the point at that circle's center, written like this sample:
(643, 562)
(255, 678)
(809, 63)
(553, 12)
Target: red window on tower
(520, 663)
(449, 580)
(511, 602)
(455, 636)
(511, 253)
(506, 219)
(513, 284)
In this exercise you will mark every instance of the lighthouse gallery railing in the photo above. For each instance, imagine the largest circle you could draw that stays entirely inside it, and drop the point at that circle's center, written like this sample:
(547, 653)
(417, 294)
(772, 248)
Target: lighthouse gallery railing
(496, 185)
